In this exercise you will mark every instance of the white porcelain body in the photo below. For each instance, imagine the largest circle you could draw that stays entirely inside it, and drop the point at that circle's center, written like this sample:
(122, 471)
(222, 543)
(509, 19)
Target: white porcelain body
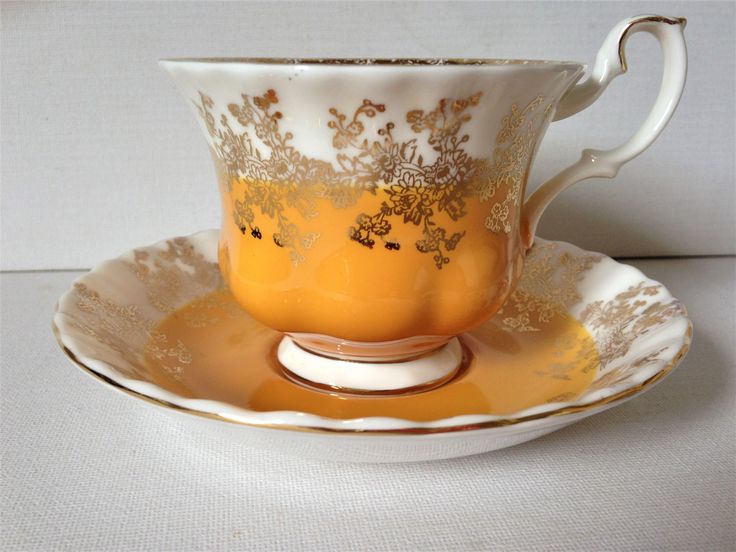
(374, 448)
(307, 91)
(106, 320)
(310, 88)
(262, 118)
(287, 123)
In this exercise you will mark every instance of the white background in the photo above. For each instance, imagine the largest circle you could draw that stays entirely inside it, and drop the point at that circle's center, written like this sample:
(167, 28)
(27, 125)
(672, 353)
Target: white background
(101, 154)
(87, 469)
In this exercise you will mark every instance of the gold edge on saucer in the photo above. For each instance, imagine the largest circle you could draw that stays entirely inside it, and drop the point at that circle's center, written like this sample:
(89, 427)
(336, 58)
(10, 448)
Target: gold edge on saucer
(620, 396)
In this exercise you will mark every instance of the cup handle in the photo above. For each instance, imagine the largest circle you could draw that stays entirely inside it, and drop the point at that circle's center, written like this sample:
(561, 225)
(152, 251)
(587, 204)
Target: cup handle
(609, 63)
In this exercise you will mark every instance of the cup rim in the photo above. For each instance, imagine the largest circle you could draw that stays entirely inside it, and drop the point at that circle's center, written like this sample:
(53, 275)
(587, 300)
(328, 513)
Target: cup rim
(375, 62)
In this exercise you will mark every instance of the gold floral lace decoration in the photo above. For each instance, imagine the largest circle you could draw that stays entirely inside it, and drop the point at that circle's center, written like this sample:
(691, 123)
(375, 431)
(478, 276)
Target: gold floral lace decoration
(166, 283)
(174, 275)
(416, 189)
(126, 331)
(171, 278)
(585, 358)
(515, 146)
(547, 287)
(286, 178)
(616, 324)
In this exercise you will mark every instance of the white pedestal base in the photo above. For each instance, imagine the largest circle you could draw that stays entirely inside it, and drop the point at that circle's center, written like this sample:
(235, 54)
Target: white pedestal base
(437, 366)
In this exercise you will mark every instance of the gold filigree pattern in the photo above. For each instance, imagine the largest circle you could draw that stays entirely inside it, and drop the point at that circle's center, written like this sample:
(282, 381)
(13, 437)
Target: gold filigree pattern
(547, 287)
(284, 179)
(171, 277)
(627, 329)
(177, 274)
(374, 61)
(126, 331)
(280, 180)
(617, 324)
(165, 281)
(515, 146)
(416, 190)
(571, 353)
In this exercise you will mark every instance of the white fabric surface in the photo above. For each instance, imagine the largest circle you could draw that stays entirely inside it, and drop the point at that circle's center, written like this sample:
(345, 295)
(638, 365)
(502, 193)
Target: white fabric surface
(85, 468)
(96, 142)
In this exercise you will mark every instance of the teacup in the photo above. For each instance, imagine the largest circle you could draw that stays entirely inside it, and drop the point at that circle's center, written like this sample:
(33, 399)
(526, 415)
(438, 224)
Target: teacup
(373, 210)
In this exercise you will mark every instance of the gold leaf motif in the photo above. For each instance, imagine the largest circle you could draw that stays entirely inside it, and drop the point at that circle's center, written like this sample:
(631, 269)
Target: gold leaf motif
(285, 178)
(516, 142)
(519, 323)
(629, 316)
(547, 287)
(173, 275)
(171, 278)
(584, 360)
(416, 189)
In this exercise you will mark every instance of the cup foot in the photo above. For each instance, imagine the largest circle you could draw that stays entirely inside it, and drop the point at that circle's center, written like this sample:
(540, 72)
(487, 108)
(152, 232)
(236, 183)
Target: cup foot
(421, 373)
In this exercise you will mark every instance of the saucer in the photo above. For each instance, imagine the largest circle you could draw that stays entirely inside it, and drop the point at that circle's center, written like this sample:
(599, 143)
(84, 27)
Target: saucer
(582, 333)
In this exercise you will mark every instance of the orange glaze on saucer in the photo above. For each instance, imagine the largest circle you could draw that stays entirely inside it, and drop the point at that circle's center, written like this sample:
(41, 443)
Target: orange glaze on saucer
(231, 358)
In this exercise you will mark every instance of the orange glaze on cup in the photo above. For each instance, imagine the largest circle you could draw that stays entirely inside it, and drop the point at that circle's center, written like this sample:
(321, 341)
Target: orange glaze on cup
(346, 290)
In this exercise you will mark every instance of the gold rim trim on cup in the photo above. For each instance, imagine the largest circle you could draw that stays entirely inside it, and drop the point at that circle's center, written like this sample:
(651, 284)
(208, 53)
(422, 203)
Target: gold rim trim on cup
(372, 62)
(620, 396)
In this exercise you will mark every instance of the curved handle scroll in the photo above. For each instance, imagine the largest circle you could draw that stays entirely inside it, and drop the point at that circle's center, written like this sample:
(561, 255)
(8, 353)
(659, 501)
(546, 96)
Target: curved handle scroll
(611, 62)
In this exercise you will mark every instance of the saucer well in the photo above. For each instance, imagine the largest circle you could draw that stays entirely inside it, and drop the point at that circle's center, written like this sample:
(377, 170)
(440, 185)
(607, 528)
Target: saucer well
(582, 333)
